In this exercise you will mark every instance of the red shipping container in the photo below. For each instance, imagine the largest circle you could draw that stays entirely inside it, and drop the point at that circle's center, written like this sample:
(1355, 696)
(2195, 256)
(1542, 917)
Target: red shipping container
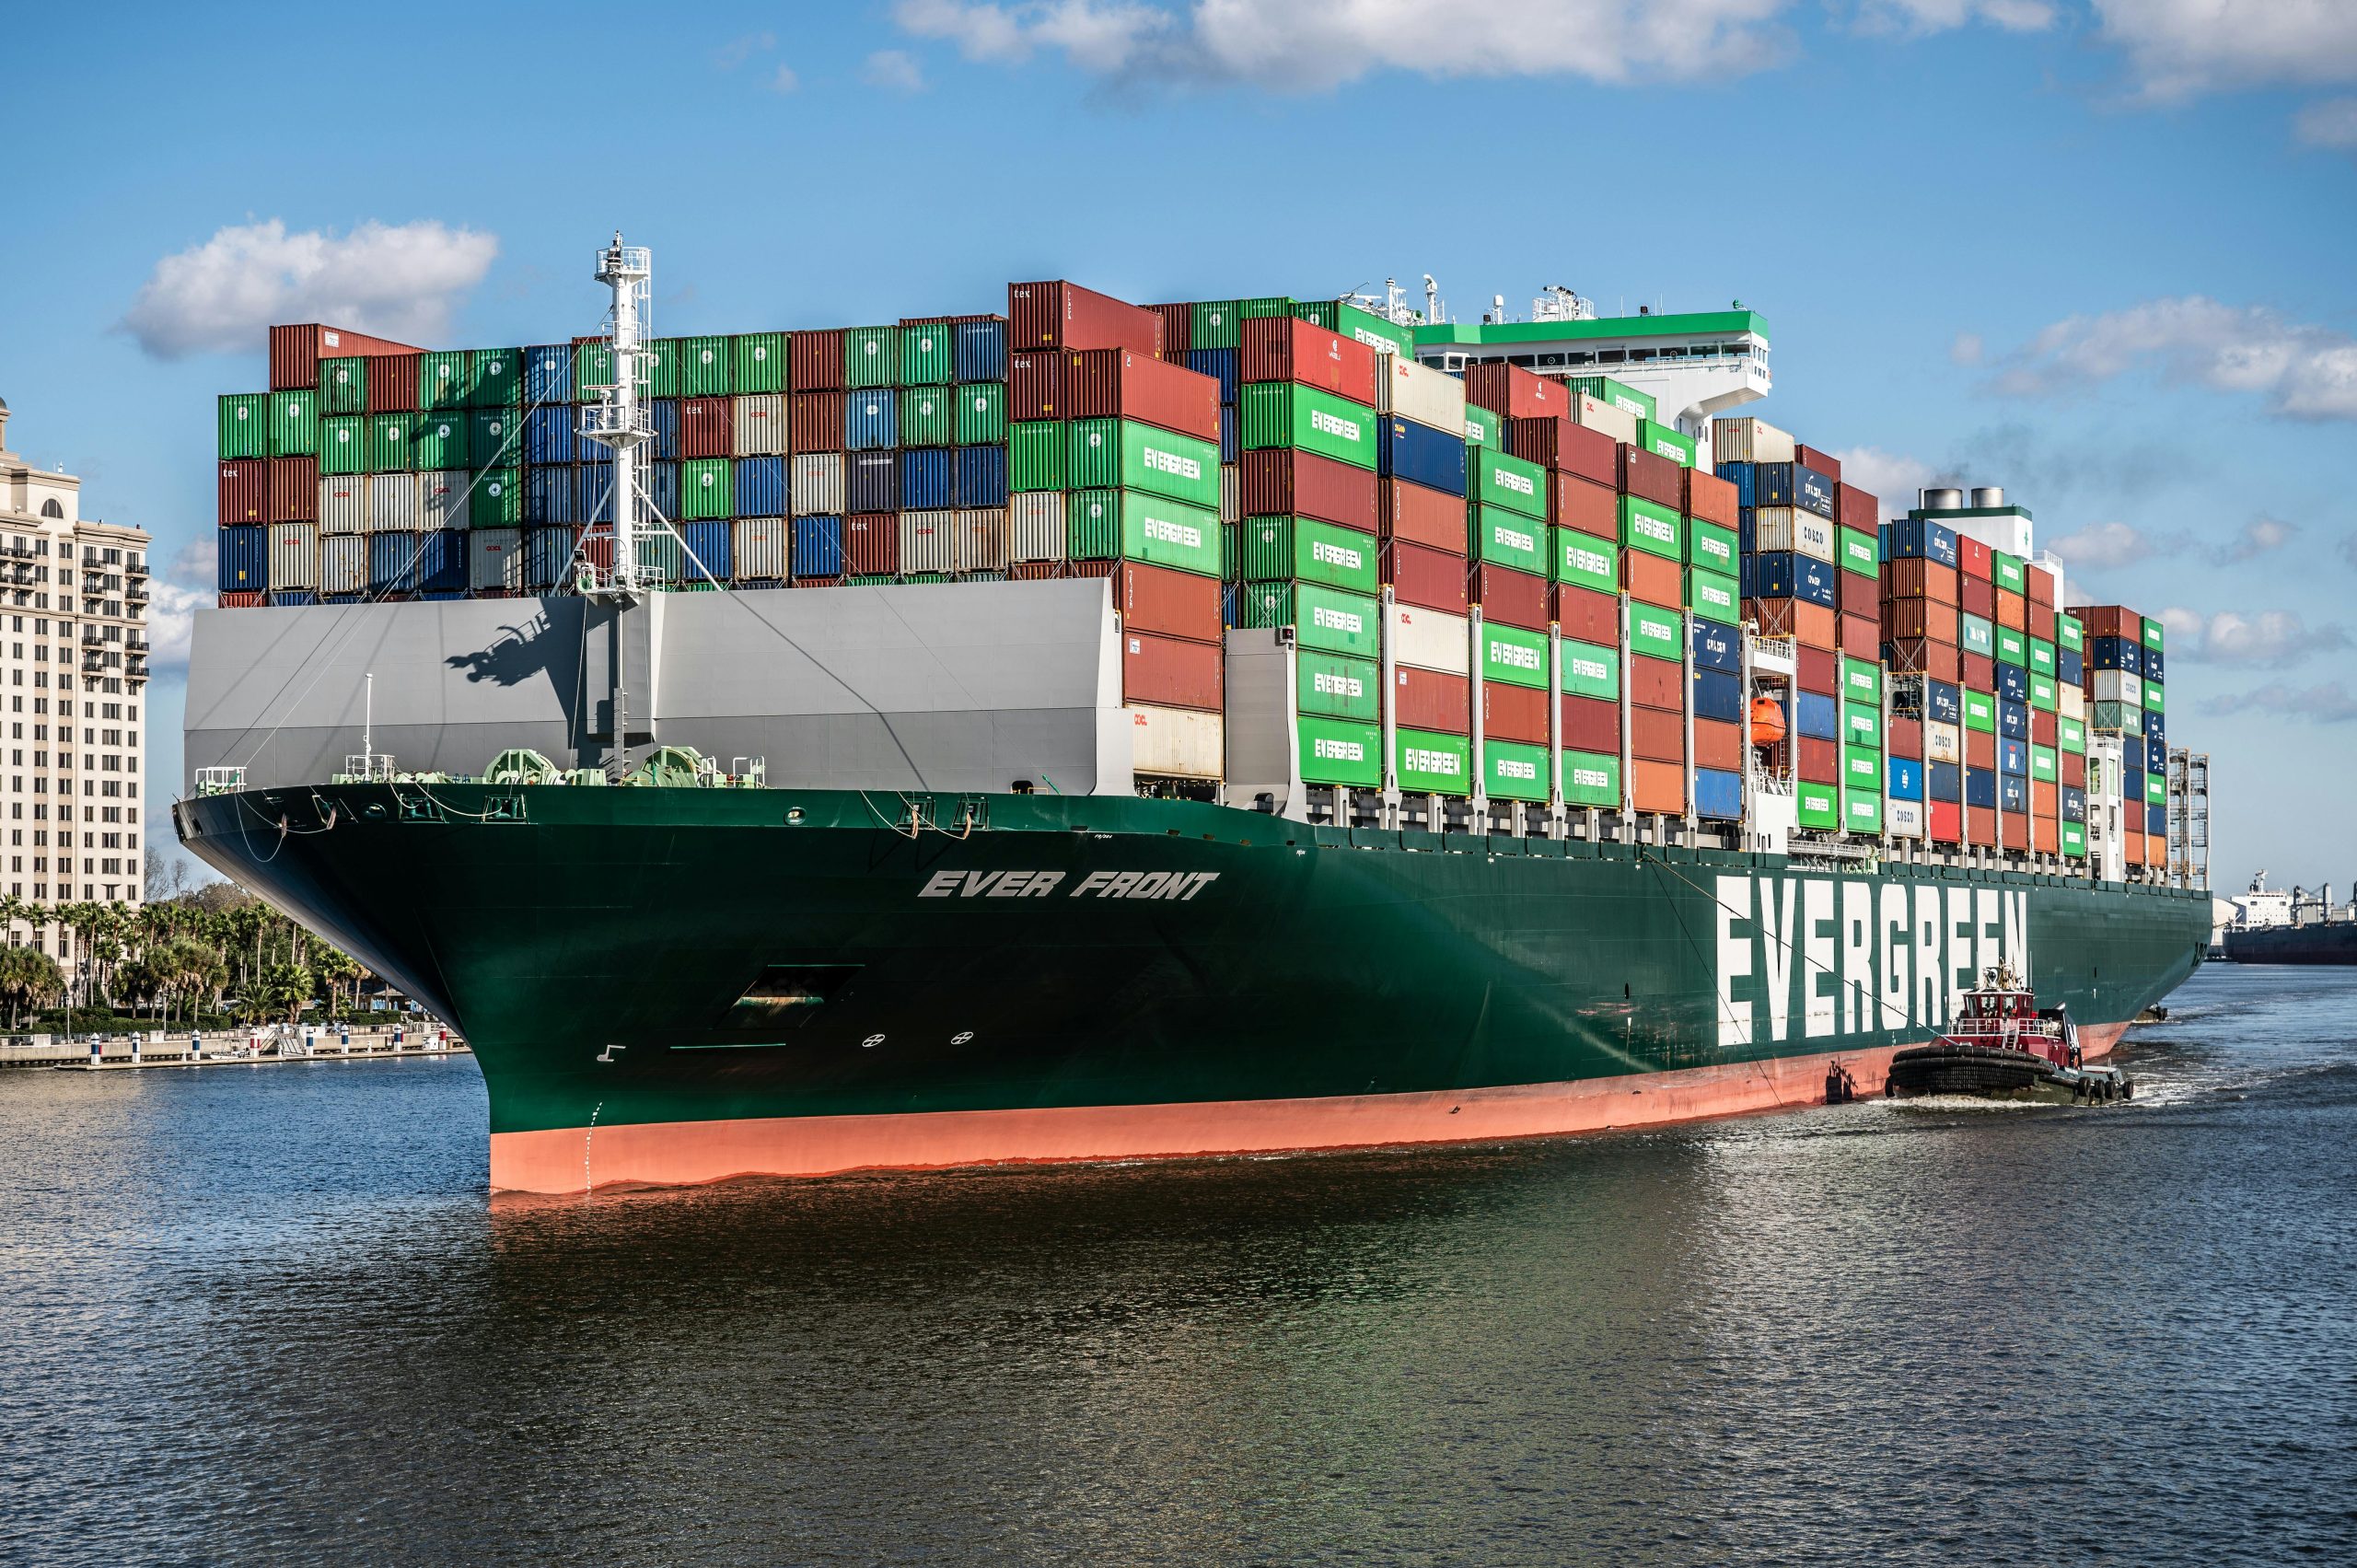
(2074, 769)
(1513, 713)
(707, 427)
(1429, 699)
(2041, 621)
(1065, 315)
(1977, 595)
(1084, 568)
(1653, 580)
(1912, 578)
(1516, 393)
(392, 383)
(1981, 826)
(294, 490)
(1035, 385)
(2042, 727)
(1809, 625)
(872, 543)
(1944, 819)
(1818, 671)
(1286, 348)
(1422, 575)
(1816, 760)
(2045, 836)
(1825, 463)
(2013, 612)
(1718, 745)
(1921, 655)
(799, 582)
(1178, 328)
(1710, 498)
(1861, 636)
(816, 361)
(1857, 508)
(1855, 595)
(1585, 506)
(1656, 734)
(1110, 383)
(1036, 570)
(245, 490)
(1657, 788)
(1657, 683)
(1592, 724)
(2156, 850)
(1587, 616)
(1980, 749)
(1422, 516)
(1908, 618)
(813, 422)
(1511, 598)
(1972, 557)
(1565, 447)
(1978, 671)
(247, 601)
(2045, 800)
(1657, 479)
(2041, 585)
(1168, 603)
(1277, 481)
(2013, 829)
(2109, 620)
(1906, 738)
(1169, 672)
(296, 353)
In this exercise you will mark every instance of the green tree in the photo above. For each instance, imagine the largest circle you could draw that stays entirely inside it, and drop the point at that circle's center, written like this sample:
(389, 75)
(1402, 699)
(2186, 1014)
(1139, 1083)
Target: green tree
(29, 978)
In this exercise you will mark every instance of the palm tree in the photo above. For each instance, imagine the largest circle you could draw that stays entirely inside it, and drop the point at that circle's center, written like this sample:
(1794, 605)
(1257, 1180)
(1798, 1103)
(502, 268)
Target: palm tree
(29, 977)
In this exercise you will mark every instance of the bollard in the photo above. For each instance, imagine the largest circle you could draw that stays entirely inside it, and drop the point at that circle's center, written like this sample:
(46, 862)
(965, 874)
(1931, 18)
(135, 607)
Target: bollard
(347, 1039)
(396, 1037)
(134, 1049)
(97, 1057)
(195, 1046)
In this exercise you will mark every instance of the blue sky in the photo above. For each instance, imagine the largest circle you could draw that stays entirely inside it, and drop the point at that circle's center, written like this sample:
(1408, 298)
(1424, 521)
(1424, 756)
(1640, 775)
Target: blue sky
(2097, 251)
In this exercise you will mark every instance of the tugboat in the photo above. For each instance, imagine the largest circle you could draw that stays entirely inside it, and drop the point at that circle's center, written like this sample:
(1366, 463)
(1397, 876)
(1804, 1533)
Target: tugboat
(2003, 1047)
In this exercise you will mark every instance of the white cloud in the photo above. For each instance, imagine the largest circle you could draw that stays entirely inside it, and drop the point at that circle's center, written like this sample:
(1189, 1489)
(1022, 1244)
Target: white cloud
(174, 598)
(2330, 702)
(736, 51)
(2099, 546)
(2179, 48)
(2306, 372)
(1915, 17)
(894, 70)
(2330, 122)
(2266, 638)
(1891, 477)
(786, 81)
(2261, 536)
(1967, 349)
(397, 281)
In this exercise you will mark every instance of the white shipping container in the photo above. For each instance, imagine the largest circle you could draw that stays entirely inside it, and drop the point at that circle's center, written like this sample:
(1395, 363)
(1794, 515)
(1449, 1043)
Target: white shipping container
(1598, 415)
(1942, 742)
(344, 564)
(1903, 818)
(818, 484)
(1790, 529)
(495, 559)
(1421, 393)
(981, 539)
(1231, 494)
(1749, 440)
(392, 502)
(2118, 686)
(1036, 525)
(293, 557)
(762, 546)
(928, 542)
(2071, 702)
(344, 505)
(1431, 639)
(1175, 743)
(761, 426)
(442, 498)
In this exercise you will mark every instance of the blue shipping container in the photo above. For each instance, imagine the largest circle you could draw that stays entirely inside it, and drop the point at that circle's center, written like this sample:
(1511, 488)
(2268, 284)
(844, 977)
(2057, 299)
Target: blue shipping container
(1718, 796)
(663, 488)
(2115, 653)
(2013, 719)
(548, 557)
(393, 560)
(818, 547)
(593, 494)
(1786, 485)
(443, 566)
(663, 414)
(981, 476)
(2070, 667)
(1420, 455)
(2013, 683)
(1718, 696)
(1219, 364)
(1943, 781)
(2074, 804)
(2155, 732)
(1919, 539)
(2012, 756)
(871, 483)
(1819, 716)
(761, 487)
(2013, 795)
(1906, 779)
(980, 354)
(925, 479)
(2153, 664)
(548, 374)
(2132, 756)
(1943, 704)
(1230, 439)
(1980, 788)
(1783, 574)
(548, 435)
(712, 544)
(869, 420)
(443, 594)
(243, 559)
(292, 599)
(548, 495)
(1717, 647)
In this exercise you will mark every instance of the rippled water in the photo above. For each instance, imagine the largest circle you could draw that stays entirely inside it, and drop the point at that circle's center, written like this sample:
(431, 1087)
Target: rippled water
(269, 1314)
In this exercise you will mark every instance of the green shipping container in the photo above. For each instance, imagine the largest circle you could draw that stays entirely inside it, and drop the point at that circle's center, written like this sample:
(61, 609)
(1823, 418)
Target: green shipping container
(1304, 549)
(1980, 711)
(707, 489)
(2043, 768)
(499, 500)
(494, 377)
(439, 440)
(2074, 840)
(1861, 680)
(2070, 736)
(1977, 635)
(928, 416)
(1513, 656)
(1591, 778)
(1483, 429)
(982, 413)
(1035, 453)
(1163, 532)
(662, 368)
(1584, 561)
(1714, 596)
(1859, 551)
(1378, 334)
(704, 368)
(389, 442)
(344, 385)
(1861, 726)
(1656, 632)
(494, 437)
(294, 423)
(1605, 390)
(1336, 686)
(2112, 717)
(245, 421)
(2153, 630)
(1819, 806)
(2070, 634)
(1861, 810)
(1591, 669)
(593, 369)
(757, 363)
(2155, 703)
(1336, 751)
(1664, 442)
(1122, 454)
(1267, 305)
(1279, 414)
(1862, 770)
(1501, 480)
(1218, 323)
(1428, 763)
(442, 380)
(2043, 694)
(1655, 529)
(871, 356)
(1501, 537)
(1511, 771)
(343, 444)
(1093, 524)
(2005, 571)
(2012, 648)
(1713, 548)
(928, 354)
(2041, 656)
(2156, 789)
(1324, 619)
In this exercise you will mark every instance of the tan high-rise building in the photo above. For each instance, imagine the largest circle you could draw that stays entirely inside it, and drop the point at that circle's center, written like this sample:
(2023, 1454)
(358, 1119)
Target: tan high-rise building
(73, 688)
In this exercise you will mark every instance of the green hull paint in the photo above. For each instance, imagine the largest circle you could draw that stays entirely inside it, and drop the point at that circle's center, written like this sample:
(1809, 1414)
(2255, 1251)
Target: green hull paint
(1294, 962)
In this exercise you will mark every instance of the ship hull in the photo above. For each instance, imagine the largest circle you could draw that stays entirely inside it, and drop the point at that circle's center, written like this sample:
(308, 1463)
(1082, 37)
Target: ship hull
(2334, 944)
(678, 986)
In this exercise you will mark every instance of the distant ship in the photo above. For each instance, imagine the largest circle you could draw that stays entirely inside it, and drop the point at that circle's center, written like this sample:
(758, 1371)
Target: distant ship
(2270, 926)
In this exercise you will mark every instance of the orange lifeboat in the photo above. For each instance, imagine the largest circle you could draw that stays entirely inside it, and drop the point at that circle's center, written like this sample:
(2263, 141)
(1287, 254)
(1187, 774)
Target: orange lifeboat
(1767, 721)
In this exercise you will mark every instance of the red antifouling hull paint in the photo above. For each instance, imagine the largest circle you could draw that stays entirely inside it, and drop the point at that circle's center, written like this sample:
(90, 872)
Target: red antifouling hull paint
(1279, 480)
(1035, 385)
(1111, 383)
(1511, 598)
(1422, 575)
(1588, 616)
(1167, 603)
(1429, 699)
(707, 427)
(245, 490)
(1592, 724)
(1065, 315)
(294, 490)
(1513, 713)
(1422, 516)
(1284, 348)
(1169, 672)
(296, 353)
(872, 543)
(814, 421)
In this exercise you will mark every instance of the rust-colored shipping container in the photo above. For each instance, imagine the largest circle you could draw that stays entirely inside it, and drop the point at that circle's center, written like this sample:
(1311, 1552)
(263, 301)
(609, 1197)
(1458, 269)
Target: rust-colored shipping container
(1036, 570)
(2074, 769)
(1513, 713)
(2043, 727)
(1980, 749)
(1976, 596)
(1515, 393)
(1972, 557)
(1111, 383)
(1816, 760)
(1422, 516)
(1511, 598)
(1430, 699)
(1657, 683)
(294, 490)
(2045, 834)
(1585, 506)
(1178, 328)
(2013, 612)
(1656, 734)
(1978, 671)
(834, 582)
(1809, 625)
(1818, 671)
(816, 363)
(872, 543)
(1422, 575)
(1653, 580)
(1565, 447)
(707, 427)
(1168, 603)
(2156, 850)
(1861, 636)
(814, 421)
(1084, 568)
(2015, 830)
(1943, 821)
(1286, 348)
(2045, 800)
(1981, 826)
(1650, 478)
(1856, 595)
(392, 383)
(1170, 672)
(245, 490)
(296, 353)
(1905, 738)
(2110, 620)
(2041, 621)
(1857, 508)
(1588, 616)
(2039, 585)
(1718, 745)
(1710, 498)
(1903, 619)
(1922, 655)
(1035, 385)
(1825, 463)
(1657, 788)
(241, 600)
(1592, 724)
(1065, 315)
(1279, 479)
(1914, 578)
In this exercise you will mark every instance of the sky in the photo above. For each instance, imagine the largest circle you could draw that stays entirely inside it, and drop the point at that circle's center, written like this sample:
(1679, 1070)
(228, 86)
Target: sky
(2096, 252)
